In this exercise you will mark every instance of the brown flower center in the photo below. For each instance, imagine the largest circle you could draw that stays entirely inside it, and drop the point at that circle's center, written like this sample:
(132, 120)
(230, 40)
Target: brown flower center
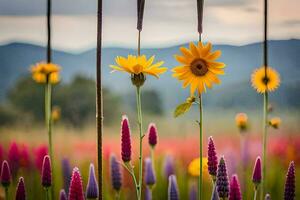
(199, 67)
(266, 80)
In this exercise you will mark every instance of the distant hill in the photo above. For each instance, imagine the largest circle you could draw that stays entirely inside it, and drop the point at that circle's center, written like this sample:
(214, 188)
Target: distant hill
(15, 59)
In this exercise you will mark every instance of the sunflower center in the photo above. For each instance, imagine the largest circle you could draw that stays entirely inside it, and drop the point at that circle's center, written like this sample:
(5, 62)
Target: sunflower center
(199, 67)
(266, 80)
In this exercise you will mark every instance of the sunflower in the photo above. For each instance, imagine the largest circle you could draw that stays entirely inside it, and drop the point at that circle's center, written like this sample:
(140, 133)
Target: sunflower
(241, 120)
(275, 122)
(262, 82)
(194, 166)
(199, 68)
(45, 72)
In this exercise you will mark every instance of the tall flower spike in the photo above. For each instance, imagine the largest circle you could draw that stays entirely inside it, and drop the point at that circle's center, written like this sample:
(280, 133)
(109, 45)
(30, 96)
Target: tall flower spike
(46, 172)
(152, 135)
(40, 152)
(212, 158)
(92, 191)
(173, 193)
(289, 189)
(20, 193)
(168, 166)
(235, 191)
(5, 174)
(62, 195)
(256, 177)
(14, 158)
(115, 173)
(67, 173)
(125, 140)
(76, 189)
(222, 179)
(150, 179)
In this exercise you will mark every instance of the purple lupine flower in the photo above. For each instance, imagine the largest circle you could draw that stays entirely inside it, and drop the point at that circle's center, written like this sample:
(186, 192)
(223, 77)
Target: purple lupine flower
(46, 172)
(222, 179)
(235, 191)
(5, 174)
(115, 173)
(92, 191)
(212, 159)
(14, 158)
(150, 179)
(148, 194)
(152, 135)
(67, 173)
(125, 140)
(267, 197)
(256, 177)
(21, 193)
(62, 195)
(289, 189)
(193, 192)
(168, 167)
(76, 189)
(173, 193)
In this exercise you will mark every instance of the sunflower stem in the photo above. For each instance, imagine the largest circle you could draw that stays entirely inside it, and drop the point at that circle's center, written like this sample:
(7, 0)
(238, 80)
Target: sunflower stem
(265, 138)
(139, 114)
(201, 145)
(139, 43)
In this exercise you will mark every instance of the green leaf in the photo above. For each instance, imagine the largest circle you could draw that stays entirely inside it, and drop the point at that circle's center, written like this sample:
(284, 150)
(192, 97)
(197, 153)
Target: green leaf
(182, 108)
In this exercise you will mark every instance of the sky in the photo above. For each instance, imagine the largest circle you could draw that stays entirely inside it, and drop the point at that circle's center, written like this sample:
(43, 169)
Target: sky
(166, 22)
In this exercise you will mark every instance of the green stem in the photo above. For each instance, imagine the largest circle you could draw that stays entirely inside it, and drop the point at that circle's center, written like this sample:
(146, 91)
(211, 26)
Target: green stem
(131, 172)
(139, 112)
(48, 94)
(47, 194)
(201, 145)
(265, 138)
(117, 196)
(6, 193)
(255, 193)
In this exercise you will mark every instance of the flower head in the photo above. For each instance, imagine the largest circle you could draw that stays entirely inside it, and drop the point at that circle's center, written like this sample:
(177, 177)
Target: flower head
(40, 152)
(168, 166)
(115, 173)
(62, 195)
(14, 158)
(235, 191)
(263, 82)
(241, 120)
(152, 135)
(173, 193)
(212, 159)
(76, 189)
(5, 177)
(150, 178)
(275, 122)
(199, 68)
(289, 189)
(256, 177)
(92, 191)
(194, 166)
(125, 140)
(222, 179)
(67, 173)
(45, 72)
(20, 193)
(46, 172)
(56, 113)
(25, 157)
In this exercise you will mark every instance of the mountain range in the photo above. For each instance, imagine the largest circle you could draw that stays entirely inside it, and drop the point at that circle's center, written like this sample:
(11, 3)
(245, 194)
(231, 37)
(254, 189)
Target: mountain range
(16, 58)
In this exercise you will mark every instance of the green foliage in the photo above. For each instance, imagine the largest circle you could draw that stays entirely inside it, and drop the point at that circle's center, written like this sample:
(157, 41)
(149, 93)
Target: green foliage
(76, 100)
(7, 115)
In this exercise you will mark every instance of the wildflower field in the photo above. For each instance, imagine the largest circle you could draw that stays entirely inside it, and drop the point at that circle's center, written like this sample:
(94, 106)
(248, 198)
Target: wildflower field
(196, 120)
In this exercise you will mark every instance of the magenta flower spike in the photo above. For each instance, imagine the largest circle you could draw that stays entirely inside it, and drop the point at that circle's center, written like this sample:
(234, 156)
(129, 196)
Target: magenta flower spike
(5, 174)
(14, 158)
(21, 193)
(46, 172)
(152, 135)
(256, 177)
(150, 179)
(235, 191)
(92, 191)
(212, 158)
(222, 183)
(289, 189)
(40, 152)
(25, 161)
(76, 189)
(115, 173)
(62, 195)
(173, 193)
(125, 140)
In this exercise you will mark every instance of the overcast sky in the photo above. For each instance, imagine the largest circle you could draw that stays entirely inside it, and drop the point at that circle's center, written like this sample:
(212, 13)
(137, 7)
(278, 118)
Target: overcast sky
(166, 22)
